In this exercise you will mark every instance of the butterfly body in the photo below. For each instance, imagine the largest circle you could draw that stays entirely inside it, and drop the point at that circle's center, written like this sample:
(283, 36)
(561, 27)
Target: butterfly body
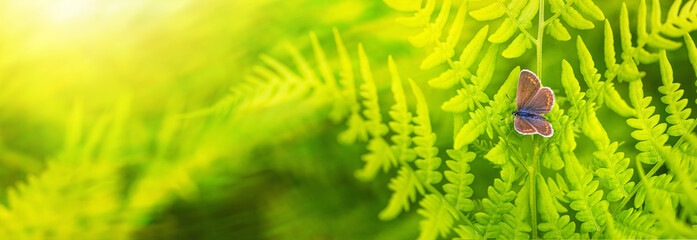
(528, 115)
(532, 100)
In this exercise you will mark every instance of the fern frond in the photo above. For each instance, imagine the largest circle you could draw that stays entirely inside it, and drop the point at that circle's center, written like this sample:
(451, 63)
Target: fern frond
(570, 15)
(497, 204)
(469, 93)
(501, 102)
(424, 140)
(461, 71)
(634, 224)
(656, 190)
(357, 127)
(379, 155)
(675, 25)
(551, 158)
(472, 129)
(405, 184)
(438, 220)
(404, 187)
(494, 10)
(650, 133)
(558, 190)
(497, 154)
(432, 32)
(613, 168)
(557, 30)
(514, 224)
(401, 119)
(572, 90)
(307, 73)
(586, 198)
(511, 24)
(517, 47)
(445, 50)
(589, 72)
(554, 225)
(465, 99)
(458, 190)
(679, 115)
(341, 108)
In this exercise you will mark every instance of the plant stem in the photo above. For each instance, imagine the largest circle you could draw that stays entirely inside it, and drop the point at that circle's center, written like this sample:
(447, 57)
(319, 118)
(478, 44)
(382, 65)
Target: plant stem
(540, 36)
(533, 169)
(533, 195)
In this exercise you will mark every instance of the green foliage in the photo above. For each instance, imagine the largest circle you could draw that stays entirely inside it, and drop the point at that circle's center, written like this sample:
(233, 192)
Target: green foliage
(548, 205)
(109, 178)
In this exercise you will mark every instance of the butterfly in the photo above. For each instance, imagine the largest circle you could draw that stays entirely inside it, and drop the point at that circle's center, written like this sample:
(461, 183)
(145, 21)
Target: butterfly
(532, 100)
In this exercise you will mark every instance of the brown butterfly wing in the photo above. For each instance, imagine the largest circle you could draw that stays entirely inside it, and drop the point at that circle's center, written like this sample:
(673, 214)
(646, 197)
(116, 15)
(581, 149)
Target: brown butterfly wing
(542, 127)
(540, 103)
(523, 126)
(528, 84)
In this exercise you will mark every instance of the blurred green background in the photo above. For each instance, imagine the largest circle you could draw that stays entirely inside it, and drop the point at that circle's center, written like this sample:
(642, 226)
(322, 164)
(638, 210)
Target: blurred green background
(118, 120)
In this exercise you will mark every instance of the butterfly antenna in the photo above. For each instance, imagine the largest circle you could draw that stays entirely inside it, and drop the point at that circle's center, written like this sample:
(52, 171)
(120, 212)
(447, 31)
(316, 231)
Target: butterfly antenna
(509, 98)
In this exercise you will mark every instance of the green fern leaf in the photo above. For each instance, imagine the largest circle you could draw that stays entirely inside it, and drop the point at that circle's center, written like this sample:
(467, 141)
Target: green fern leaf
(654, 38)
(656, 191)
(495, 10)
(589, 8)
(469, 54)
(613, 169)
(472, 129)
(586, 198)
(589, 72)
(508, 27)
(356, 123)
(679, 115)
(497, 204)
(438, 220)
(404, 188)
(464, 100)
(514, 224)
(457, 190)
(572, 89)
(401, 124)
(340, 108)
(650, 133)
(431, 32)
(501, 103)
(405, 184)
(517, 47)
(692, 53)
(609, 50)
(558, 31)
(558, 190)
(625, 34)
(379, 155)
(634, 224)
(445, 50)
(422, 16)
(461, 71)
(552, 158)
(308, 74)
(485, 70)
(498, 154)
(570, 15)
(425, 139)
(369, 92)
(554, 225)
